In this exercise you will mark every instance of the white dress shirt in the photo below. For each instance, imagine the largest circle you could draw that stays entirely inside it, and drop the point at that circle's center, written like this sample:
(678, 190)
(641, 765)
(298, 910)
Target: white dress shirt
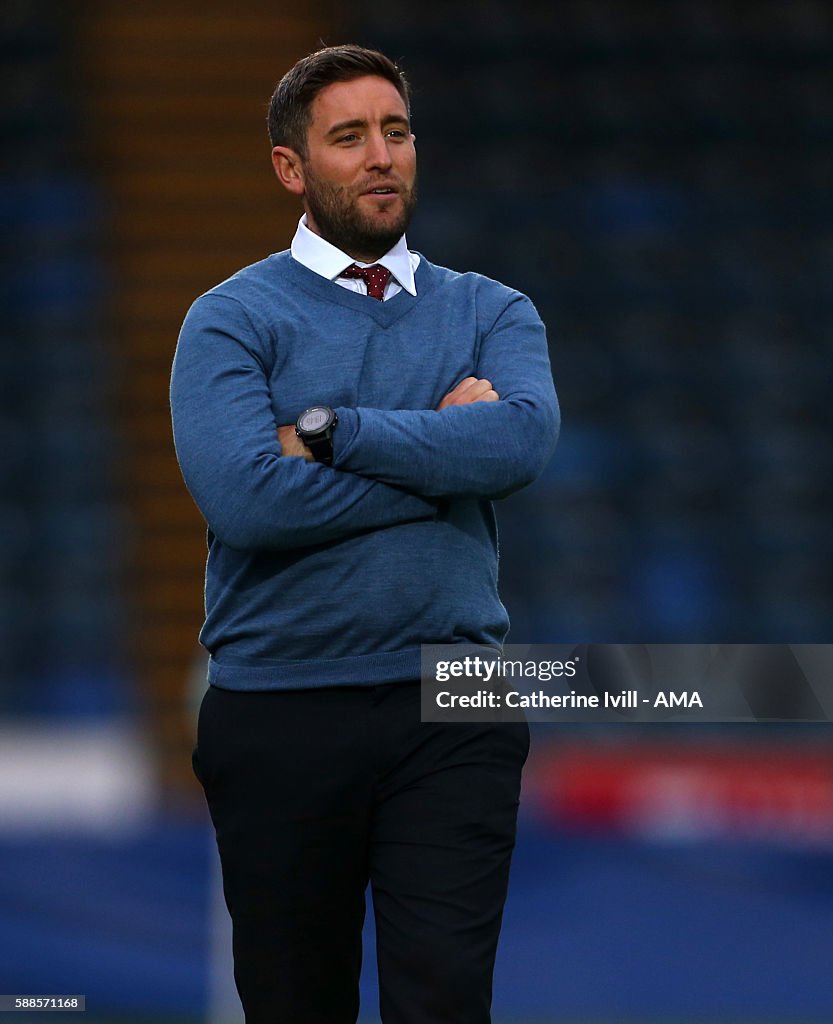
(318, 255)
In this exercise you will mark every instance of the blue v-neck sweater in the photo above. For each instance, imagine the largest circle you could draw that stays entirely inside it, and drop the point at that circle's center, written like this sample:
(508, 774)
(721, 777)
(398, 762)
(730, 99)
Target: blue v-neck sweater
(324, 576)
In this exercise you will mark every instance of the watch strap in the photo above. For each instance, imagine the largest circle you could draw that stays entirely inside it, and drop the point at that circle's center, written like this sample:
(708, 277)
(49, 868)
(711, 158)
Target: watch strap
(322, 448)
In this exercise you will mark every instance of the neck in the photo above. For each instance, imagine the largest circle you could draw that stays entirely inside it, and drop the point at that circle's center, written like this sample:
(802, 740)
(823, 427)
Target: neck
(363, 256)
(359, 257)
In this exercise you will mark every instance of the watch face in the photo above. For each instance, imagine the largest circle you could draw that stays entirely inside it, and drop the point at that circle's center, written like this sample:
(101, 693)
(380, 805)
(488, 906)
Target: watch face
(314, 419)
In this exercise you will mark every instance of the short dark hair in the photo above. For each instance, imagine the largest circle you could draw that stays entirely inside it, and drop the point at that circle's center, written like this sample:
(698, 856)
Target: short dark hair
(290, 109)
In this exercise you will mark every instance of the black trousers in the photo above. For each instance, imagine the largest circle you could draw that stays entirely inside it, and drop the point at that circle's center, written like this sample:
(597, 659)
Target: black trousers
(315, 793)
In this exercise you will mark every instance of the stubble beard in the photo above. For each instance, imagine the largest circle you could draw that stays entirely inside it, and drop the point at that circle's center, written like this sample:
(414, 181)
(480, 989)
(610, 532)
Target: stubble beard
(335, 210)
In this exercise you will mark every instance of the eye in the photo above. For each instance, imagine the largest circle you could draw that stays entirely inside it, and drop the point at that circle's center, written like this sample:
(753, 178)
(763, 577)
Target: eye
(349, 137)
(397, 133)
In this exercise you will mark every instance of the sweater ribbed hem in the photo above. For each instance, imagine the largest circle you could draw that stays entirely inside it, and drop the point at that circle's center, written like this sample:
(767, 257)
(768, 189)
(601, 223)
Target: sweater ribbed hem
(362, 670)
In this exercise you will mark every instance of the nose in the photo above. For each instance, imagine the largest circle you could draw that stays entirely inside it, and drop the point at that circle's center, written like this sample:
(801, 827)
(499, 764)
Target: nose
(377, 154)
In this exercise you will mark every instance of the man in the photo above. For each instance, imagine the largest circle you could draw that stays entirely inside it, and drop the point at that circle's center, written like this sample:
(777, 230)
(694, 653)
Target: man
(343, 414)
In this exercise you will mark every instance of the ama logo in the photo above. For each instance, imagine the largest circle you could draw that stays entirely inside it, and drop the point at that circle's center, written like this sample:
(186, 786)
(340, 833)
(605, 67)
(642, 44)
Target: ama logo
(632, 679)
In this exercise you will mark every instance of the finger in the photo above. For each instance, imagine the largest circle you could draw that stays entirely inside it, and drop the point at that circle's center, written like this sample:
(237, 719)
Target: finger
(453, 397)
(480, 387)
(487, 396)
(474, 392)
(462, 387)
(470, 389)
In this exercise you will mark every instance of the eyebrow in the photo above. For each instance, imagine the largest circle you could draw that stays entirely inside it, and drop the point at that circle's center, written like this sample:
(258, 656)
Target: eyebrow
(360, 123)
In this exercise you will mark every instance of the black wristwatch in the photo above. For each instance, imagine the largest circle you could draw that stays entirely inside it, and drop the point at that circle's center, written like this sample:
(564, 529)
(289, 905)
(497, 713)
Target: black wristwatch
(315, 428)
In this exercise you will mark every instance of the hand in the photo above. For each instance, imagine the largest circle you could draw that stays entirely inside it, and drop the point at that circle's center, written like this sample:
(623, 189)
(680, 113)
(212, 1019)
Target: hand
(468, 391)
(291, 444)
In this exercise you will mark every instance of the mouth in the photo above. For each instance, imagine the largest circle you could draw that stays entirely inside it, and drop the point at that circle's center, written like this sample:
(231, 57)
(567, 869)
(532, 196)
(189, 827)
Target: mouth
(382, 190)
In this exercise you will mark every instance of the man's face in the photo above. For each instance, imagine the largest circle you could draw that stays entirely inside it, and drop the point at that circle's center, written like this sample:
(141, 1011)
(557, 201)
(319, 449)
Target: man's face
(359, 175)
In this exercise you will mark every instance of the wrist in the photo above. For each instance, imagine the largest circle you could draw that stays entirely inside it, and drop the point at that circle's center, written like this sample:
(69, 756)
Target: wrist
(314, 428)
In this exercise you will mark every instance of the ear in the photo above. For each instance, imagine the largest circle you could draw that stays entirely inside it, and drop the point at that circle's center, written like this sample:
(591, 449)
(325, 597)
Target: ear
(289, 169)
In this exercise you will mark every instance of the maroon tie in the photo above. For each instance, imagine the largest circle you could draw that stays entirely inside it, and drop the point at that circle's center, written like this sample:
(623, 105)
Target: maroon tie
(374, 277)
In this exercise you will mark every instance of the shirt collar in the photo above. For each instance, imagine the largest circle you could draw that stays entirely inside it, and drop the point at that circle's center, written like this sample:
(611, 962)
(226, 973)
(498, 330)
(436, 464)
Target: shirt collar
(320, 256)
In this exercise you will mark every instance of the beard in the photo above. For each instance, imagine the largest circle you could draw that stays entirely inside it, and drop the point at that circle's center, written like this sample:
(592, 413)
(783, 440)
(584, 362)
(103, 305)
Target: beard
(336, 212)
